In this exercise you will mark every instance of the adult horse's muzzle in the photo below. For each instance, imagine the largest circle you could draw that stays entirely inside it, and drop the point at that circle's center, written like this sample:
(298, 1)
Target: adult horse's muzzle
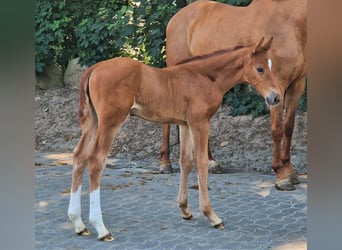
(272, 99)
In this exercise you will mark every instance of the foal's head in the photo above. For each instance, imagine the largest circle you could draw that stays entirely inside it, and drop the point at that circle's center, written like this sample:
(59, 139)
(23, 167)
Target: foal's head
(258, 73)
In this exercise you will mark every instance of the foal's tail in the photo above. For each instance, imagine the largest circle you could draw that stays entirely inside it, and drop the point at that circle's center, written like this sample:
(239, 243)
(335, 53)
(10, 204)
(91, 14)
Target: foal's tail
(86, 112)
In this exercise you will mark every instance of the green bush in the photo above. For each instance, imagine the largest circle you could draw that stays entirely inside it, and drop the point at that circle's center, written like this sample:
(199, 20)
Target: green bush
(98, 30)
(103, 32)
(244, 100)
(52, 34)
(150, 19)
(236, 2)
(303, 101)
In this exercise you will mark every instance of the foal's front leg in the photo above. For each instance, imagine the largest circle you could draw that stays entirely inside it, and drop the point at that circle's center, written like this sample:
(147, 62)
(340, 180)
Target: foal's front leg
(185, 162)
(199, 134)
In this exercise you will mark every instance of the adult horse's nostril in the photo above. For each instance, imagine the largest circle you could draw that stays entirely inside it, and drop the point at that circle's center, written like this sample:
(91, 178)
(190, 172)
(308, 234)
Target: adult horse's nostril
(272, 99)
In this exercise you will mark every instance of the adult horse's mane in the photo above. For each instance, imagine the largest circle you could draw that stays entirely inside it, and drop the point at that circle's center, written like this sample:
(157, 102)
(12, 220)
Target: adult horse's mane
(211, 54)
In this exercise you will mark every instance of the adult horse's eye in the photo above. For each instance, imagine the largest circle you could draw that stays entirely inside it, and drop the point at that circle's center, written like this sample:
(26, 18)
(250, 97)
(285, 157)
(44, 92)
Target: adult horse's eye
(260, 70)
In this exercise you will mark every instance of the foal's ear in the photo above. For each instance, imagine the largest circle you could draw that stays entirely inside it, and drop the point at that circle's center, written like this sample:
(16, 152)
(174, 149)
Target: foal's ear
(259, 48)
(268, 44)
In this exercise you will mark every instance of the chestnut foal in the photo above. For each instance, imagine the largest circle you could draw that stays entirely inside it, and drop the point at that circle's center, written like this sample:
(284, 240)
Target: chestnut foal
(187, 94)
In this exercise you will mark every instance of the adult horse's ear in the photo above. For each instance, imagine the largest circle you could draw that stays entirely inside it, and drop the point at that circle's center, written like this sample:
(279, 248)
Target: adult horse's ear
(260, 48)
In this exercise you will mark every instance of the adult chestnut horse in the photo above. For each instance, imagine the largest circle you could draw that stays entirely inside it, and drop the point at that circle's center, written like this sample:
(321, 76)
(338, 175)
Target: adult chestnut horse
(187, 94)
(206, 26)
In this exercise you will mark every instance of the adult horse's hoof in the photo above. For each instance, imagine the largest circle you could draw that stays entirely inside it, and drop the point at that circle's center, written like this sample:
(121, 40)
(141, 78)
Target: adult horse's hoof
(107, 238)
(219, 226)
(84, 232)
(284, 185)
(215, 167)
(166, 169)
(294, 179)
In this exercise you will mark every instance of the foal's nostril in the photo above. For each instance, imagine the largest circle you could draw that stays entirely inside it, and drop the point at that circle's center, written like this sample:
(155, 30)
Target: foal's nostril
(276, 99)
(272, 99)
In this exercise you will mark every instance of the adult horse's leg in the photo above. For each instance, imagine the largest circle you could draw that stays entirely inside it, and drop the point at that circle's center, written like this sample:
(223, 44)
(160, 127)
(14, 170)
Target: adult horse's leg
(165, 165)
(282, 133)
(214, 166)
(210, 156)
(199, 135)
(185, 162)
(282, 181)
(293, 95)
(79, 164)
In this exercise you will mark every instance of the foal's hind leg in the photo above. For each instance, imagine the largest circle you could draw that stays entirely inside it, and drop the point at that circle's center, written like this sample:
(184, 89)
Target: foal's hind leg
(185, 162)
(79, 164)
(97, 157)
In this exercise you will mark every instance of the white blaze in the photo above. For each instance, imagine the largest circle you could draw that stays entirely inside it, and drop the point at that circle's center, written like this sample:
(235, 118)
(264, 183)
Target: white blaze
(269, 61)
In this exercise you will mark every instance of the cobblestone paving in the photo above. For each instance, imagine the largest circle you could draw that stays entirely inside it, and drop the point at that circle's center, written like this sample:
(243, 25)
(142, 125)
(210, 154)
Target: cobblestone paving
(139, 209)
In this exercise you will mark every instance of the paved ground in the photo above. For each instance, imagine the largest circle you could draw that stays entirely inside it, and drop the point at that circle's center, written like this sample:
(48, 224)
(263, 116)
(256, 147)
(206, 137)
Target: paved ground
(139, 209)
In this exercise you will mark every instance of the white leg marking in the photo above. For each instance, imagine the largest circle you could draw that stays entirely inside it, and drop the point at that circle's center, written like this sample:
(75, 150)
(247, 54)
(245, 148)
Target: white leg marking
(74, 210)
(269, 61)
(95, 214)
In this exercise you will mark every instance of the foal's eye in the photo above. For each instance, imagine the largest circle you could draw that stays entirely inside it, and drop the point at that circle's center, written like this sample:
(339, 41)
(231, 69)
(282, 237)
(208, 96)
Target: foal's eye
(260, 70)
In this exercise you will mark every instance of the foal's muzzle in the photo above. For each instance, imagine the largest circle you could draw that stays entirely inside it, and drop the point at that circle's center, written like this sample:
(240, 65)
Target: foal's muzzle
(272, 99)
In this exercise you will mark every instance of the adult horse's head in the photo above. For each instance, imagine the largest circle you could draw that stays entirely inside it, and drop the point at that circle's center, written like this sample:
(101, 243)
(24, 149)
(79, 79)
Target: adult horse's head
(258, 73)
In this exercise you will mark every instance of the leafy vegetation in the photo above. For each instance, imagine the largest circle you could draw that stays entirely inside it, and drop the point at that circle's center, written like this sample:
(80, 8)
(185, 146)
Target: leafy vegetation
(98, 30)
(236, 2)
(244, 100)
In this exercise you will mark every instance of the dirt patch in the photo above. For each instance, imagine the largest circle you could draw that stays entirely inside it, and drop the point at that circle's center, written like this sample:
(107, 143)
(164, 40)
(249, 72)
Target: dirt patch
(240, 143)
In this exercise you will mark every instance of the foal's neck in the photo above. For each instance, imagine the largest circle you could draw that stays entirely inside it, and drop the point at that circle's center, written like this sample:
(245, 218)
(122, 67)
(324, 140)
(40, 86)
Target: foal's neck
(225, 70)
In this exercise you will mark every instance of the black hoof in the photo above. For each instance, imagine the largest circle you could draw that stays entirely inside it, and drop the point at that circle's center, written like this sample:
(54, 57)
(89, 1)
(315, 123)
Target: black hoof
(166, 169)
(219, 226)
(188, 217)
(294, 179)
(107, 238)
(84, 232)
(284, 185)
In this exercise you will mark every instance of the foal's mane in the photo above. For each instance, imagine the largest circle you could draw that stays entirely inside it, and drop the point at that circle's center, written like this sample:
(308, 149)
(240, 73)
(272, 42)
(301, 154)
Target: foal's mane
(211, 54)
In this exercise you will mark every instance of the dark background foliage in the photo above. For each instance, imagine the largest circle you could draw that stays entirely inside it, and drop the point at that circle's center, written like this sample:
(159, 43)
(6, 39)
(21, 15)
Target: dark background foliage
(98, 30)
